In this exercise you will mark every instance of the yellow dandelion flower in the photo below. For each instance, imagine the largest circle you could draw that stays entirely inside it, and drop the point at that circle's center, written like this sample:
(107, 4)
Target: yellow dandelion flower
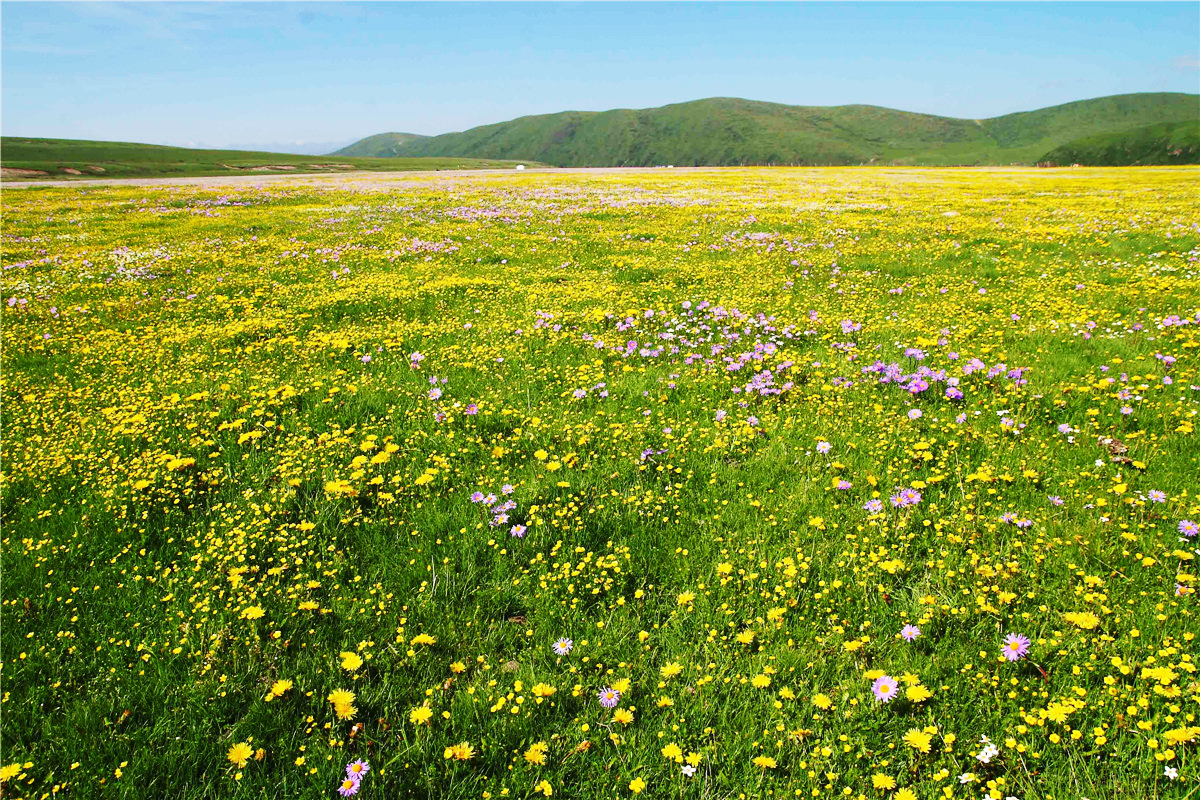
(672, 752)
(420, 715)
(684, 598)
(536, 754)
(252, 612)
(239, 754)
(765, 762)
(918, 740)
(918, 694)
(670, 670)
(423, 638)
(822, 701)
(351, 661)
(623, 716)
(881, 781)
(760, 681)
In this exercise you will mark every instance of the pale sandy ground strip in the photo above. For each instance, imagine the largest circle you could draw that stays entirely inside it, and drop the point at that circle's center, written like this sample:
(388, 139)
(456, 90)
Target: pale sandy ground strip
(358, 178)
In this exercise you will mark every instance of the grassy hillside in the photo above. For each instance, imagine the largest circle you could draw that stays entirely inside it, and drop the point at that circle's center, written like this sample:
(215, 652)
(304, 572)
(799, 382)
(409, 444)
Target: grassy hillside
(1167, 143)
(381, 145)
(730, 131)
(38, 159)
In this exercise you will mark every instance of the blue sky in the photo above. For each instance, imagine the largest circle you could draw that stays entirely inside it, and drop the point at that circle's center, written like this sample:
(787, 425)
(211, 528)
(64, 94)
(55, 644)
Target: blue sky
(224, 74)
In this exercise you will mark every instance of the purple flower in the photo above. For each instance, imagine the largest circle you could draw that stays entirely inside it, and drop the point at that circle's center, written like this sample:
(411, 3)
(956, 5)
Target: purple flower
(720, 415)
(609, 697)
(471, 410)
(1016, 645)
(434, 394)
(915, 413)
(909, 632)
(844, 485)
(885, 689)
(1188, 528)
(518, 531)
(563, 646)
(1157, 496)
(752, 420)
(874, 506)
(905, 498)
(1008, 518)
(356, 769)
(349, 787)
(507, 488)
(824, 447)
(476, 497)
(1055, 500)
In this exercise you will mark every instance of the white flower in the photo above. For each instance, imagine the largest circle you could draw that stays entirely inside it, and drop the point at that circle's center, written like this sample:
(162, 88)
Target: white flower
(1099, 462)
(1171, 772)
(966, 777)
(688, 770)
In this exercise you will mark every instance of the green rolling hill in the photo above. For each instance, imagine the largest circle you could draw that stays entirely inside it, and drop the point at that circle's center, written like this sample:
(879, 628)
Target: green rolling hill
(71, 159)
(1165, 143)
(730, 131)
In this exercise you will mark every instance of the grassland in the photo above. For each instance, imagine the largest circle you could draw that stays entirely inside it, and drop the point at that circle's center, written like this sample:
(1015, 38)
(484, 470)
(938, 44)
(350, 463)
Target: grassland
(70, 159)
(733, 132)
(1165, 143)
(841, 483)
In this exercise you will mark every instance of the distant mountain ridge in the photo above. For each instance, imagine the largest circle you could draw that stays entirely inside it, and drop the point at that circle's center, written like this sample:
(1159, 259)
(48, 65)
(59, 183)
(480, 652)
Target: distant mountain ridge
(730, 131)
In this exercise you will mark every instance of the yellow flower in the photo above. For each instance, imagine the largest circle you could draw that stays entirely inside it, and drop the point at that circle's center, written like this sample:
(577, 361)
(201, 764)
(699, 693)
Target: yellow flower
(622, 685)
(637, 785)
(460, 752)
(918, 740)
(822, 701)
(787, 694)
(423, 638)
(881, 781)
(765, 762)
(684, 598)
(672, 752)
(1083, 619)
(545, 788)
(420, 715)
(9, 771)
(904, 794)
(309, 605)
(761, 681)
(278, 688)
(458, 668)
(745, 637)
(239, 754)
(542, 690)
(670, 670)
(252, 612)
(351, 661)
(918, 694)
(536, 754)
(623, 716)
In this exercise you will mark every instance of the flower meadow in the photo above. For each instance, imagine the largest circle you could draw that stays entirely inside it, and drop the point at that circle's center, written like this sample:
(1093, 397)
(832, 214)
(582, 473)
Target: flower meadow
(845, 483)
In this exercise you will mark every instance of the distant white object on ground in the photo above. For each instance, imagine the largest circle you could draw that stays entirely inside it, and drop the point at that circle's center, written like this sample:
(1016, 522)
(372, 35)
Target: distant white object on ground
(520, 166)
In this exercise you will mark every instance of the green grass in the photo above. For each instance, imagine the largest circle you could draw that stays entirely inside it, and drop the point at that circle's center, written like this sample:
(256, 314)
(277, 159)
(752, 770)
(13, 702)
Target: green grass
(730, 132)
(212, 409)
(54, 158)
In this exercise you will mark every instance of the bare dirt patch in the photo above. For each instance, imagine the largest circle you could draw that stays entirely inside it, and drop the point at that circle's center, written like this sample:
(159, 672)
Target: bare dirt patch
(15, 172)
(94, 168)
(71, 171)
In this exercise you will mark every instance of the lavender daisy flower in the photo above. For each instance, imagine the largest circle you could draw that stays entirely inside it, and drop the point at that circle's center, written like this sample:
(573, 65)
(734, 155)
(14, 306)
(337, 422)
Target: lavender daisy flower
(476, 497)
(356, 769)
(844, 485)
(506, 489)
(349, 787)
(874, 506)
(1188, 528)
(563, 646)
(609, 697)
(824, 447)
(909, 633)
(914, 413)
(885, 689)
(434, 394)
(1055, 500)
(1016, 645)
(518, 531)
(1157, 496)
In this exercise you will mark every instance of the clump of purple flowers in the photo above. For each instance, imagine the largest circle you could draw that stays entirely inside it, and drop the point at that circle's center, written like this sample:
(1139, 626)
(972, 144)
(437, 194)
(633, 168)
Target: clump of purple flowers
(906, 498)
